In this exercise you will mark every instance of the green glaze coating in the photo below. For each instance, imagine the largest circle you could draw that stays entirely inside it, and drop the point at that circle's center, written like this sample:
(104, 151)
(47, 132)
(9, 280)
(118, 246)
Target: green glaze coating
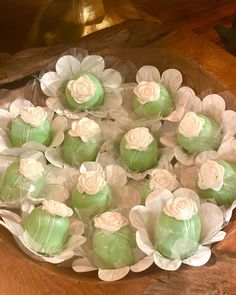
(209, 138)
(139, 161)
(49, 233)
(75, 151)
(113, 250)
(21, 132)
(87, 206)
(170, 234)
(227, 194)
(161, 107)
(95, 101)
(15, 186)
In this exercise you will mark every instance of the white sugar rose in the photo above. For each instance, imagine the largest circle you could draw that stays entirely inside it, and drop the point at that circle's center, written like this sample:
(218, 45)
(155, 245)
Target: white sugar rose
(138, 139)
(84, 128)
(91, 182)
(31, 169)
(110, 221)
(56, 208)
(163, 179)
(211, 176)
(181, 208)
(81, 89)
(147, 91)
(191, 125)
(35, 116)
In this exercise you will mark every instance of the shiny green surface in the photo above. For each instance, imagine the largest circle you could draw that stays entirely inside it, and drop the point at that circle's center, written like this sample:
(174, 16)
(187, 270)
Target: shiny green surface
(75, 151)
(95, 101)
(87, 206)
(14, 186)
(161, 107)
(209, 138)
(177, 239)
(49, 233)
(113, 250)
(227, 194)
(139, 161)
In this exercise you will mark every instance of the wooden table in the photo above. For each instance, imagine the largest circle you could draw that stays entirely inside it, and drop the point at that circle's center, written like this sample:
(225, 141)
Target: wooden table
(206, 68)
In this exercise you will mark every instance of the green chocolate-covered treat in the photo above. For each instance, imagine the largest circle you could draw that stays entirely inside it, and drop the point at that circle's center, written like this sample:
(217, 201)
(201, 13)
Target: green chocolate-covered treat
(112, 250)
(47, 233)
(21, 132)
(84, 93)
(217, 180)
(14, 186)
(75, 151)
(161, 105)
(177, 239)
(139, 150)
(87, 206)
(198, 133)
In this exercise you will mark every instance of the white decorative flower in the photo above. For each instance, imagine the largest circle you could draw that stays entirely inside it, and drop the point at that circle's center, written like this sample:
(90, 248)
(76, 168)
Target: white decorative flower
(144, 218)
(81, 89)
(91, 182)
(138, 139)
(181, 208)
(110, 221)
(84, 128)
(57, 208)
(191, 125)
(163, 179)
(31, 169)
(35, 116)
(147, 91)
(66, 69)
(211, 176)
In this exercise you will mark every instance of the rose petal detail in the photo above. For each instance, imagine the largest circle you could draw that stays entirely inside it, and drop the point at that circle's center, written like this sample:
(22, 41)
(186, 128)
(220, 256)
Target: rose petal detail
(50, 83)
(67, 67)
(148, 73)
(110, 275)
(213, 106)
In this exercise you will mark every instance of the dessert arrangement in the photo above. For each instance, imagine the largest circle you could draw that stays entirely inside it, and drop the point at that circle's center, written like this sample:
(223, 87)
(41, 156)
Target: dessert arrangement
(114, 177)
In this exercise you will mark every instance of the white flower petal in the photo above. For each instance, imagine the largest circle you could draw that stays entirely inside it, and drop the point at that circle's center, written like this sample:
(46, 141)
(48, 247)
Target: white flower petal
(199, 258)
(111, 79)
(10, 216)
(227, 212)
(143, 241)
(5, 117)
(54, 192)
(182, 157)
(59, 123)
(180, 192)
(13, 226)
(50, 83)
(207, 155)
(112, 100)
(53, 156)
(143, 264)
(116, 176)
(167, 155)
(227, 150)
(213, 105)
(211, 220)
(188, 176)
(139, 216)
(76, 227)
(110, 275)
(93, 64)
(148, 73)
(165, 263)
(128, 197)
(4, 141)
(67, 67)
(172, 79)
(216, 238)
(65, 255)
(83, 265)
(229, 122)
(156, 200)
(90, 166)
(176, 115)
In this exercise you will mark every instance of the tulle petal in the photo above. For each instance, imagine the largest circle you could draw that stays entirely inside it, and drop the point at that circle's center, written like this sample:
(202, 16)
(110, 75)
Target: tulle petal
(189, 193)
(50, 83)
(110, 275)
(116, 176)
(83, 265)
(199, 258)
(227, 150)
(4, 141)
(53, 156)
(143, 241)
(172, 79)
(90, 166)
(165, 263)
(207, 155)
(188, 176)
(229, 122)
(112, 100)
(76, 227)
(148, 73)
(143, 264)
(5, 118)
(128, 197)
(18, 105)
(213, 105)
(184, 158)
(93, 64)
(111, 79)
(67, 67)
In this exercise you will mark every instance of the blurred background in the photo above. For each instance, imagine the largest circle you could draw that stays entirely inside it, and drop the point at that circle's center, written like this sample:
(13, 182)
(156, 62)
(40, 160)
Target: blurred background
(32, 23)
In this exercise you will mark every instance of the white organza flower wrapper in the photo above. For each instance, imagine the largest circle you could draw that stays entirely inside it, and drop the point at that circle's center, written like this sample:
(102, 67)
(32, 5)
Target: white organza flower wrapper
(213, 106)
(171, 79)
(57, 124)
(14, 223)
(85, 264)
(144, 218)
(67, 68)
(54, 179)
